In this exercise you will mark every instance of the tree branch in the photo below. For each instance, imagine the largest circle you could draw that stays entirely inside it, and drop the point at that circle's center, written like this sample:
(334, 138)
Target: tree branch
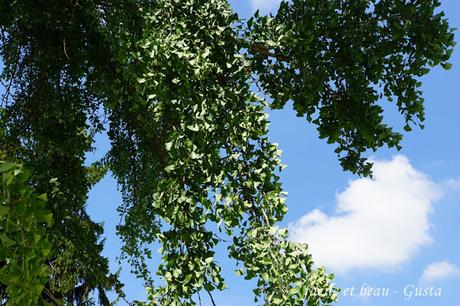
(51, 296)
(266, 51)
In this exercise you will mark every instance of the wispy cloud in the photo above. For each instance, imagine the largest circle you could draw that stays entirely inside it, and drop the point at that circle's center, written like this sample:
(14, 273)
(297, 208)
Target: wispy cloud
(439, 271)
(379, 223)
(451, 185)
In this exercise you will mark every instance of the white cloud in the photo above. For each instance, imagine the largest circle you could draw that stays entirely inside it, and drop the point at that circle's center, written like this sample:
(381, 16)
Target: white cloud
(451, 185)
(439, 271)
(379, 223)
(265, 5)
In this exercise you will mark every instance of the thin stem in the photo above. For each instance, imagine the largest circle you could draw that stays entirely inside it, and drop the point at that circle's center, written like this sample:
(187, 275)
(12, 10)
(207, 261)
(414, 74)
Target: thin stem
(212, 299)
(51, 296)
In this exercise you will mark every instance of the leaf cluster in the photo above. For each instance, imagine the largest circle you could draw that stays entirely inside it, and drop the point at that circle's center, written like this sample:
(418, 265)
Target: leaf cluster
(25, 249)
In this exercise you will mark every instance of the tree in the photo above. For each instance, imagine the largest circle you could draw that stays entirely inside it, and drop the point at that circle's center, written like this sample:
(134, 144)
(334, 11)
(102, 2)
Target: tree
(171, 83)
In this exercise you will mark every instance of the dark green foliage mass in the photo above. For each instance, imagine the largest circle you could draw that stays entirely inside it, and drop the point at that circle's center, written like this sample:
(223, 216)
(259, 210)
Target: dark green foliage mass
(170, 82)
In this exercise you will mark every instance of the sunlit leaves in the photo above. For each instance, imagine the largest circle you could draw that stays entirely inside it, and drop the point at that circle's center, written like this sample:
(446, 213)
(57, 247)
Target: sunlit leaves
(24, 247)
(196, 163)
(338, 61)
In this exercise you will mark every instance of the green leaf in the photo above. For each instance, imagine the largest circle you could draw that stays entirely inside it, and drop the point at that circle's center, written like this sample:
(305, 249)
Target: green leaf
(194, 128)
(5, 167)
(170, 168)
(6, 241)
(446, 66)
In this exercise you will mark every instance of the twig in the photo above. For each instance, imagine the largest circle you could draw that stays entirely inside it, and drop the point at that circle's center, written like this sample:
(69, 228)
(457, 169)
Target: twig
(265, 50)
(73, 10)
(65, 49)
(126, 301)
(210, 296)
(7, 93)
(51, 296)
(221, 239)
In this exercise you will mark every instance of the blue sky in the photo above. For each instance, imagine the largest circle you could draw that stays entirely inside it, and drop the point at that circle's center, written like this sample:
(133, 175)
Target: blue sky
(397, 230)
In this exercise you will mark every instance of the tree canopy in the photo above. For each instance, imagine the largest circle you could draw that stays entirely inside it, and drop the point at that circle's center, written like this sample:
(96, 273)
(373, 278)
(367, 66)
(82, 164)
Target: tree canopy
(182, 89)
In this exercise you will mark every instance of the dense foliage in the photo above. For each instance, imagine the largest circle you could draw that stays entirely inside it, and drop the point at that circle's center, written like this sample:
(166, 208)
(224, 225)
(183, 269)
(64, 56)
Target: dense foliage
(24, 248)
(171, 83)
